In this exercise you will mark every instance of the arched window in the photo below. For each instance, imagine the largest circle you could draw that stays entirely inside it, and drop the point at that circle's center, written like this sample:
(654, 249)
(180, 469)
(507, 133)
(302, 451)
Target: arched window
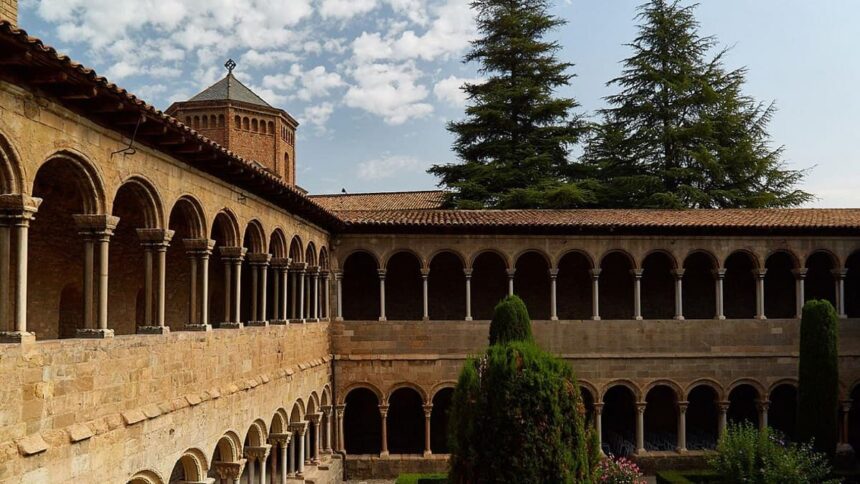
(246, 124)
(220, 120)
(271, 127)
(237, 120)
(254, 126)
(196, 122)
(205, 122)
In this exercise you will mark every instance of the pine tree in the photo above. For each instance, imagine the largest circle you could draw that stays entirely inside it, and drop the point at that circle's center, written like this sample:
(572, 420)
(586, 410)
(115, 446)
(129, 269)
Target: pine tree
(681, 133)
(515, 140)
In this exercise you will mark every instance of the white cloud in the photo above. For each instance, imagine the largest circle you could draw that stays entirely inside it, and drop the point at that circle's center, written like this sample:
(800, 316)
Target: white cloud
(317, 116)
(344, 9)
(388, 167)
(254, 58)
(449, 90)
(317, 83)
(390, 91)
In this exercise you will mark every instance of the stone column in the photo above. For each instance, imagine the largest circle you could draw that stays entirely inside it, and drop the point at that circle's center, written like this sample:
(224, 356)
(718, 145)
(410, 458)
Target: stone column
(198, 251)
(263, 309)
(338, 278)
(799, 291)
(719, 276)
(89, 284)
(595, 294)
(255, 297)
(682, 426)
(679, 294)
(155, 242)
(301, 276)
(281, 442)
(598, 424)
(762, 406)
(511, 273)
(425, 274)
(846, 412)
(468, 273)
(553, 301)
(637, 293)
(759, 293)
(192, 290)
(276, 293)
(839, 276)
(257, 454)
(383, 412)
(259, 263)
(97, 231)
(428, 412)
(19, 211)
(293, 286)
(285, 275)
(232, 257)
(381, 273)
(298, 430)
(229, 472)
(315, 278)
(315, 419)
(327, 295)
(724, 421)
(640, 427)
(147, 285)
(327, 411)
(340, 441)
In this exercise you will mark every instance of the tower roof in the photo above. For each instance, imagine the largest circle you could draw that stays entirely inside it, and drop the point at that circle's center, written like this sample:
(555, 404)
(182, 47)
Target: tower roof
(230, 89)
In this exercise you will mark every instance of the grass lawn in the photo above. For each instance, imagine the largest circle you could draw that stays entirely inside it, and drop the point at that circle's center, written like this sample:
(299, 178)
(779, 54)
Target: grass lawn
(422, 479)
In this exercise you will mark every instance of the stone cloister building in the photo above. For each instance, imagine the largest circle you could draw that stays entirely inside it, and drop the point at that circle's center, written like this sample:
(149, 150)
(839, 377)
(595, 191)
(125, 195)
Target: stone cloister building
(174, 308)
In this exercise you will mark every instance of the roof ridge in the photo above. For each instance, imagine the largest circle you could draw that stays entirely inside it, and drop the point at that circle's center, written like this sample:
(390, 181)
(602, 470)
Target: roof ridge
(397, 192)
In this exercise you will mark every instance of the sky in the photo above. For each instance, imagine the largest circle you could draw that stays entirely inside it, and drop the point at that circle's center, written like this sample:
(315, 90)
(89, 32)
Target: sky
(374, 82)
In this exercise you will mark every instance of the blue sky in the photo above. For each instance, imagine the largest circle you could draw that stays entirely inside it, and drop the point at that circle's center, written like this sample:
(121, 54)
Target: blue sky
(374, 81)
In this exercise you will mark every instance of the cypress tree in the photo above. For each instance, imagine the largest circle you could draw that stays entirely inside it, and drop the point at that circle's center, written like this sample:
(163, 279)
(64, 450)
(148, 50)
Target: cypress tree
(680, 133)
(510, 322)
(515, 140)
(818, 388)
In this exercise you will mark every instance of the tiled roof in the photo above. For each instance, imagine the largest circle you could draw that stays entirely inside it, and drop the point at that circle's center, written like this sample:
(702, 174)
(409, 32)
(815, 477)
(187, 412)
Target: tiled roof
(423, 200)
(230, 89)
(29, 61)
(606, 221)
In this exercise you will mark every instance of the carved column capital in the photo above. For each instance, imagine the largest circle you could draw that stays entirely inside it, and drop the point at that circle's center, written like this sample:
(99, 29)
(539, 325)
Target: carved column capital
(155, 238)
(229, 470)
(595, 273)
(198, 246)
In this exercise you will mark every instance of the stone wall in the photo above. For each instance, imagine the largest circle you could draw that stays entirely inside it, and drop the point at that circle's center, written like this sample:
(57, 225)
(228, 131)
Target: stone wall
(101, 410)
(429, 355)
(9, 11)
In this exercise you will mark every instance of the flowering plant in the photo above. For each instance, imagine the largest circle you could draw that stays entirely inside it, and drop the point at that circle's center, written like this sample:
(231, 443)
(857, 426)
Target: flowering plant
(619, 470)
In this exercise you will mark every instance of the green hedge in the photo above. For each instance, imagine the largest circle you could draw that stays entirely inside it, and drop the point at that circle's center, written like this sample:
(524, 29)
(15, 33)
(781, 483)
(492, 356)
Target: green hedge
(686, 477)
(437, 478)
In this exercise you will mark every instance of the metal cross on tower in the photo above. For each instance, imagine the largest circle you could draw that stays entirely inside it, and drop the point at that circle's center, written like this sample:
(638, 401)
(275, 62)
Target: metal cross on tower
(230, 65)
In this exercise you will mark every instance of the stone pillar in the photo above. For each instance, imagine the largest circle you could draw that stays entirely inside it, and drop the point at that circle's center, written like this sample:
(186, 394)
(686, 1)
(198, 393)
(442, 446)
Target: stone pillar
(315, 278)
(16, 217)
(326, 284)
(338, 278)
(293, 286)
(511, 273)
(468, 273)
(679, 294)
(284, 275)
(315, 419)
(301, 276)
(759, 293)
(155, 243)
(598, 424)
(298, 430)
(229, 472)
(637, 293)
(147, 285)
(198, 251)
(839, 276)
(381, 273)
(97, 231)
(682, 426)
(799, 291)
(192, 290)
(640, 427)
(763, 406)
(383, 412)
(845, 405)
(428, 413)
(724, 420)
(276, 293)
(719, 276)
(595, 294)
(340, 441)
(553, 302)
(425, 274)
(259, 263)
(327, 411)
(280, 443)
(232, 257)
(263, 309)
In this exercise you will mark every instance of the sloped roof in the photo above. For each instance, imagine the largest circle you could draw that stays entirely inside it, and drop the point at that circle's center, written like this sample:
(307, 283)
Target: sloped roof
(417, 200)
(230, 89)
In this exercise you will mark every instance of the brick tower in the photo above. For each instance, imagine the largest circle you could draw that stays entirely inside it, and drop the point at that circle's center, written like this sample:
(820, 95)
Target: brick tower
(229, 113)
(9, 11)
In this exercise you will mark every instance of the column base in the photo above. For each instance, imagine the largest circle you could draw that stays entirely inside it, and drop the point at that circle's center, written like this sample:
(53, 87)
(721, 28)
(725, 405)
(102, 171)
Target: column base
(338, 319)
(554, 318)
(153, 330)
(427, 453)
(383, 454)
(94, 333)
(678, 318)
(231, 325)
(256, 324)
(20, 337)
(720, 318)
(383, 319)
(760, 318)
(469, 318)
(595, 318)
(638, 318)
(278, 322)
(681, 450)
(198, 327)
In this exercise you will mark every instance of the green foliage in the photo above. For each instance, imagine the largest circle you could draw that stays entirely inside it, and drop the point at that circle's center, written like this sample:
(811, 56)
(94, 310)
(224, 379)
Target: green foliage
(517, 416)
(515, 140)
(746, 454)
(435, 478)
(510, 322)
(818, 388)
(687, 477)
(619, 471)
(680, 132)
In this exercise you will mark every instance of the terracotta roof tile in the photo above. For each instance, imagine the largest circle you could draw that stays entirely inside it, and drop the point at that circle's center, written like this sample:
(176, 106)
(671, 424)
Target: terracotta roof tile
(419, 200)
(616, 221)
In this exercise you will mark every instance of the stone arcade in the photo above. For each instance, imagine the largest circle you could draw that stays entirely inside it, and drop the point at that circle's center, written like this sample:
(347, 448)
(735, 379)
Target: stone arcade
(182, 312)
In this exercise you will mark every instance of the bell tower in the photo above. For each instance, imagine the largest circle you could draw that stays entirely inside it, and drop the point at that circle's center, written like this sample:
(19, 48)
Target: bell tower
(232, 115)
(9, 11)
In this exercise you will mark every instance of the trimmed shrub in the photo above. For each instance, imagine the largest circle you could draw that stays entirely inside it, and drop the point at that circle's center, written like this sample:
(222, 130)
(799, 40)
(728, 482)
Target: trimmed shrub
(818, 388)
(687, 477)
(746, 454)
(510, 322)
(517, 416)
